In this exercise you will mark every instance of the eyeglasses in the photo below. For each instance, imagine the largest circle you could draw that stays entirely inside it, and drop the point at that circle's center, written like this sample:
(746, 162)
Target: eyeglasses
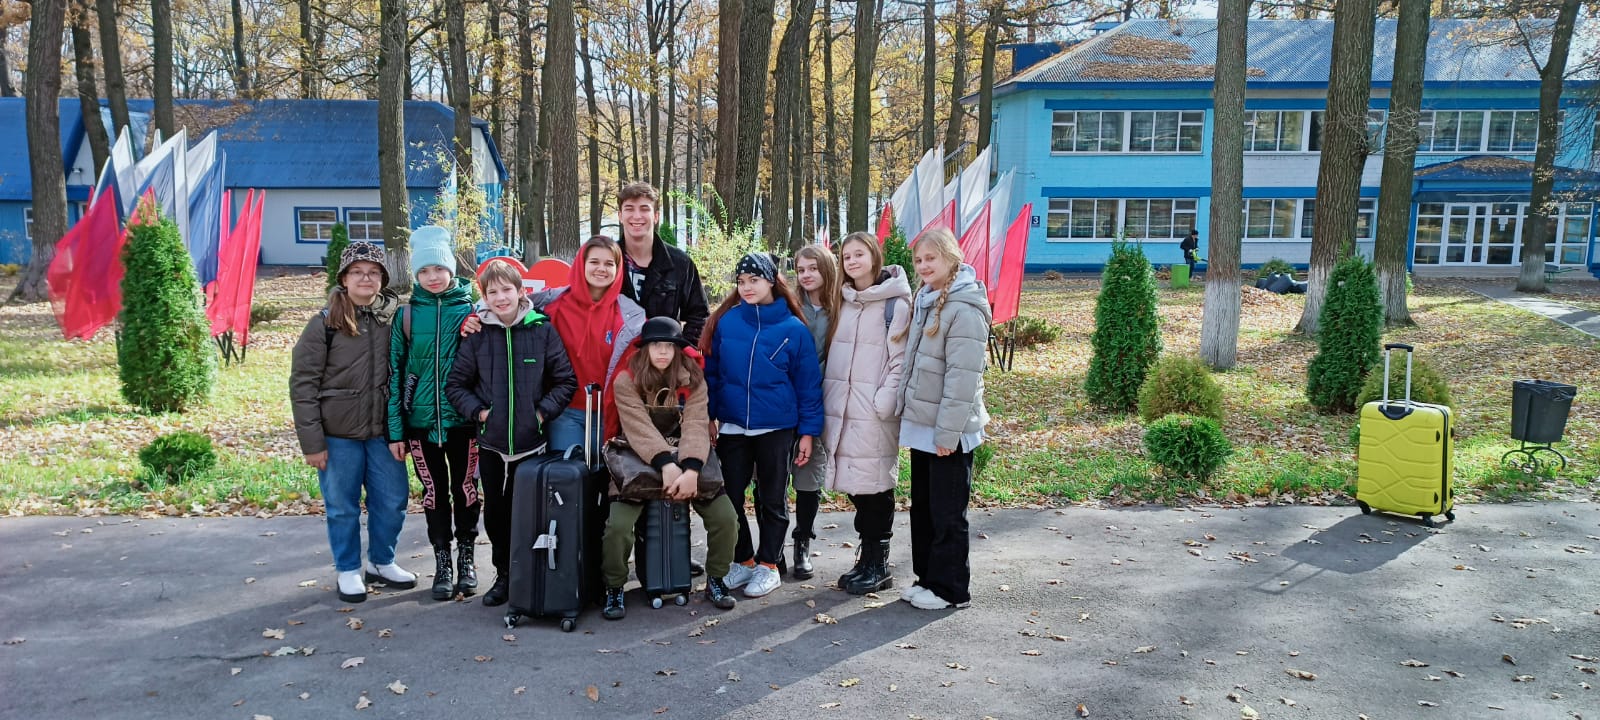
(365, 274)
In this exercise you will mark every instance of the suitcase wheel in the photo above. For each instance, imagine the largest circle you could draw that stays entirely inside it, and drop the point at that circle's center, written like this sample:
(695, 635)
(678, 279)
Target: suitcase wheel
(568, 624)
(1451, 516)
(512, 619)
(655, 603)
(1427, 520)
(1365, 508)
(681, 600)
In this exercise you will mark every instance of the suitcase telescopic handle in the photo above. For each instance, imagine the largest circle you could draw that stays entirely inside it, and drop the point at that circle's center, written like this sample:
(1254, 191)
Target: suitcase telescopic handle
(591, 413)
(1397, 346)
(1387, 350)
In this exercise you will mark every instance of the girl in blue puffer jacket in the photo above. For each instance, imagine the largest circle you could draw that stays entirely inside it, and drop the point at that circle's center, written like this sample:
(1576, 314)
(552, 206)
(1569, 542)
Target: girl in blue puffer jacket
(766, 388)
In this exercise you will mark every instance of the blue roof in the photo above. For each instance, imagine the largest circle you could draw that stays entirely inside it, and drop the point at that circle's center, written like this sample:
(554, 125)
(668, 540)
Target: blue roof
(271, 143)
(16, 181)
(1292, 53)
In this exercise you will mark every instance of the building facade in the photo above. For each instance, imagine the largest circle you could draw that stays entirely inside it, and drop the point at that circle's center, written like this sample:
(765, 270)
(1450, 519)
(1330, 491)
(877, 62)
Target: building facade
(1112, 138)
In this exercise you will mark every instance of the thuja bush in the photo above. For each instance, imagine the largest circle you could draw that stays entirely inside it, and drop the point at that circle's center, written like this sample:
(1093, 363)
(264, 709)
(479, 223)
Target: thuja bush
(176, 457)
(1180, 384)
(1187, 446)
(1127, 330)
(1029, 331)
(1349, 330)
(1274, 265)
(895, 252)
(164, 354)
(341, 238)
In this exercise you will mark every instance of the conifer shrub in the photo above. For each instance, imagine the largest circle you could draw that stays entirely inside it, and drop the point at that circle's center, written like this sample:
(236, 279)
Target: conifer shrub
(1187, 446)
(1427, 386)
(896, 252)
(1127, 330)
(981, 458)
(1029, 331)
(341, 238)
(1349, 331)
(1274, 265)
(176, 457)
(164, 355)
(1179, 384)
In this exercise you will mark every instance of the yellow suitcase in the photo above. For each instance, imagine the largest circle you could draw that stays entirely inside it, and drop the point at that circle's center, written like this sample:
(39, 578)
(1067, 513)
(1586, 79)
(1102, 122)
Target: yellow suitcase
(1403, 463)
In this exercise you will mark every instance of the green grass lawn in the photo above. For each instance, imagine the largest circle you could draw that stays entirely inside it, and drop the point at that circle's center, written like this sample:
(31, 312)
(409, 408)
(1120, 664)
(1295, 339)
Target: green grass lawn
(70, 442)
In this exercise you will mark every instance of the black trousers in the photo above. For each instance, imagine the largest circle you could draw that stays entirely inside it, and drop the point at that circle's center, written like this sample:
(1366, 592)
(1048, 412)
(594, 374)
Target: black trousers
(498, 476)
(874, 516)
(762, 460)
(940, 490)
(449, 488)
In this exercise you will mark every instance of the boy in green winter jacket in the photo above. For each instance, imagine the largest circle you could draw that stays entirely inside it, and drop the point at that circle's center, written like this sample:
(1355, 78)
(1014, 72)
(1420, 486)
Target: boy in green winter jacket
(422, 422)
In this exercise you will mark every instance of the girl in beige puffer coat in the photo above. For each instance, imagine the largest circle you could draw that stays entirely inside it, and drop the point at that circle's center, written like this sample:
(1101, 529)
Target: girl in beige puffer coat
(860, 387)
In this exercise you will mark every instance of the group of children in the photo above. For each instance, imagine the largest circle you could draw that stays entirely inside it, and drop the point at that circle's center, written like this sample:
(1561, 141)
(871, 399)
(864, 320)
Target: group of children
(816, 387)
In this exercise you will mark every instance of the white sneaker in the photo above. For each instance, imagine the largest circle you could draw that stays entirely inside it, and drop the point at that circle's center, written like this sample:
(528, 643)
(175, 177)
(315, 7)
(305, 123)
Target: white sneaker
(763, 580)
(351, 587)
(738, 576)
(912, 592)
(928, 600)
(392, 575)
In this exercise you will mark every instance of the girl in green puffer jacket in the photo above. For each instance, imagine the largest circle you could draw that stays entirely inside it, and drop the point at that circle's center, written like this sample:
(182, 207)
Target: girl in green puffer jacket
(422, 422)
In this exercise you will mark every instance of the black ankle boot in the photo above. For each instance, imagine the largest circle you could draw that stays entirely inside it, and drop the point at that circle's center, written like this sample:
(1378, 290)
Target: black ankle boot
(500, 591)
(855, 571)
(444, 586)
(802, 560)
(466, 570)
(718, 594)
(614, 610)
(875, 570)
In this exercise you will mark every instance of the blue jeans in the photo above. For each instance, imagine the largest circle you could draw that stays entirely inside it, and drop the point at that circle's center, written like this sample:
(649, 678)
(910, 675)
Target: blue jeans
(566, 430)
(352, 466)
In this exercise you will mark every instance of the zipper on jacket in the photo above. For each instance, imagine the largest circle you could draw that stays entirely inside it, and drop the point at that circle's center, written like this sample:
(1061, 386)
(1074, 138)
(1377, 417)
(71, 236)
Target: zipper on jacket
(774, 356)
(511, 398)
(750, 370)
(438, 384)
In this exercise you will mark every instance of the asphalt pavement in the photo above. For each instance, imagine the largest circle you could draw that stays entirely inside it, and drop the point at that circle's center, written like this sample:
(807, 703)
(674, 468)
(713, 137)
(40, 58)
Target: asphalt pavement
(1151, 612)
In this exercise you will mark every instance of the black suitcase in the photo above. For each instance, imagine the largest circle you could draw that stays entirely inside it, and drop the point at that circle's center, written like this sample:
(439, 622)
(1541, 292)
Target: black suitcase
(661, 552)
(557, 517)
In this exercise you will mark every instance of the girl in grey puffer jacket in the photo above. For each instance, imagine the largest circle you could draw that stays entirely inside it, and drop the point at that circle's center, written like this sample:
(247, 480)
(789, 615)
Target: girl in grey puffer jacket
(942, 417)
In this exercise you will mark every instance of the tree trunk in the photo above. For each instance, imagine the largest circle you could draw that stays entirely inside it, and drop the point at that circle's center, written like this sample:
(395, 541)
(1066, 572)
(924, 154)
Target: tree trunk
(669, 156)
(785, 157)
(161, 19)
(1219, 325)
(1536, 232)
(530, 218)
(88, 93)
(6, 90)
(633, 132)
(497, 54)
(958, 79)
(729, 19)
(806, 168)
(596, 203)
(991, 32)
(111, 59)
(755, 48)
(1399, 160)
(392, 72)
(861, 115)
(1344, 151)
(309, 61)
(930, 68)
(460, 92)
(44, 145)
(241, 67)
(830, 129)
(559, 113)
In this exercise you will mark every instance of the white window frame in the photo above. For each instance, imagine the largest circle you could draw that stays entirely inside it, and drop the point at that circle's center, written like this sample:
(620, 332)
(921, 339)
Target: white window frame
(300, 223)
(367, 225)
(27, 223)
(1570, 212)
(1178, 120)
(1427, 124)
(1182, 213)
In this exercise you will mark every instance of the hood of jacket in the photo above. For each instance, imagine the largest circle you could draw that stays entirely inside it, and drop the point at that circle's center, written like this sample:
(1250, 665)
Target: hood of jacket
(964, 289)
(893, 285)
(526, 315)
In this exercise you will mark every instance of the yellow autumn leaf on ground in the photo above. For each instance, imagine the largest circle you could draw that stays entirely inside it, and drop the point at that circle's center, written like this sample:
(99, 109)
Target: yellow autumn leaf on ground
(593, 693)
(850, 682)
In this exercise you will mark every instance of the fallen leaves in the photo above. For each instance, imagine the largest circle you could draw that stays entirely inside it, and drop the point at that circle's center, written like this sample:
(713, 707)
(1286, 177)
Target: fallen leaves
(824, 619)
(397, 687)
(1083, 712)
(352, 662)
(354, 623)
(1144, 649)
(386, 633)
(482, 658)
(1303, 675)
(593, 693)
(1032, 653)
(16, 640)
(1413, 663)
(275, 634)
(849, 682)
(363, 703)
(828, 706)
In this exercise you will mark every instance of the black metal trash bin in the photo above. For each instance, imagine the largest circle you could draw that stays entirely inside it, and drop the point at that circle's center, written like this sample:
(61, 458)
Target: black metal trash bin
(1539, 410)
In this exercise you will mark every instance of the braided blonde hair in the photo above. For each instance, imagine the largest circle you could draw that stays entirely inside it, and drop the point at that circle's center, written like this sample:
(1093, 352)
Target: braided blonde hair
(944, 243)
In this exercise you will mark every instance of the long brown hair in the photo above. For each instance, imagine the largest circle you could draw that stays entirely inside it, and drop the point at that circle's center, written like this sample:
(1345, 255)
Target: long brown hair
(341, 315)
(831, 298)
(650, 381)
(780, 290)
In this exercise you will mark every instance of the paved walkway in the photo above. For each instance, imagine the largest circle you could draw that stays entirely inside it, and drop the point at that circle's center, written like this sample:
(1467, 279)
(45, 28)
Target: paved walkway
(1583, 321)
(1138, 613)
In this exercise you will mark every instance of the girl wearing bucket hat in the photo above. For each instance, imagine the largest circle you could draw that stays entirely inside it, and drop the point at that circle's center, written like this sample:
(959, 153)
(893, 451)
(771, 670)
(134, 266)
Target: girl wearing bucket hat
(660, 398)
(766, 389)
(338, 389)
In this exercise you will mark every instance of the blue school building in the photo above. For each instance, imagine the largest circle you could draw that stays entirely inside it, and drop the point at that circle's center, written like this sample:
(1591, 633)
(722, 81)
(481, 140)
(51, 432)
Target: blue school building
(1112, 137)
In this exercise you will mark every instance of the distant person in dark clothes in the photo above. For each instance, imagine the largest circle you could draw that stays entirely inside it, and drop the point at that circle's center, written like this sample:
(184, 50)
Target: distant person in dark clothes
(1190, 247)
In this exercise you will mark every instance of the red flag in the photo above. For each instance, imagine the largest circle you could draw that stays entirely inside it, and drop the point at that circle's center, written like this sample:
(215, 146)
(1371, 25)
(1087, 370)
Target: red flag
(85, 277)
(1008, 297)
(221, 290)
(885, 223)
(975, 246)
(245, 286)
(945, 219)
